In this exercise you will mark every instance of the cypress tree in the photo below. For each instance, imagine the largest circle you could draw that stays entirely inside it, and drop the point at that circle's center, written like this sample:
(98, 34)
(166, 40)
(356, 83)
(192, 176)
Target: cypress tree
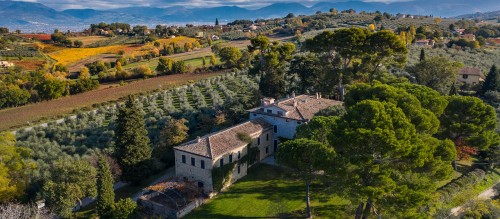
(453, 90)
(132, 142)
(422, 55)
(216, 21)
(105, 192)
(492, 81)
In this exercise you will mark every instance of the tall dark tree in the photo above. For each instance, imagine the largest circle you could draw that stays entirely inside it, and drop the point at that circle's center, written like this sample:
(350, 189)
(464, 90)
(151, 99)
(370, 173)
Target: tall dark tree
(105, 192)
(492, 82)
(453, 90)
(275, 64)
(422, 54)
(132, 142)
(216, 21)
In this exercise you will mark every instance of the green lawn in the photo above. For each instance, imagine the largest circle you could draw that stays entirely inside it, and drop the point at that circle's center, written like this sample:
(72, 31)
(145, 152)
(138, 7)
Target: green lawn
(269, 191)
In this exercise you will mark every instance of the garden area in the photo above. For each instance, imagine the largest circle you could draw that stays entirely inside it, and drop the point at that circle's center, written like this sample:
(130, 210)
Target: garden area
(269, 192)
(88, 133)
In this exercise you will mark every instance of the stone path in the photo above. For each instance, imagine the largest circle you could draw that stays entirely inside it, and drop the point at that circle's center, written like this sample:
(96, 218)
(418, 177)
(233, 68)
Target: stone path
(485, 195)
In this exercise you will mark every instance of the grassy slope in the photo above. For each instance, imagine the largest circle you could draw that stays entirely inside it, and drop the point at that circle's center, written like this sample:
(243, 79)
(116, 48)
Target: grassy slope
(268, 191)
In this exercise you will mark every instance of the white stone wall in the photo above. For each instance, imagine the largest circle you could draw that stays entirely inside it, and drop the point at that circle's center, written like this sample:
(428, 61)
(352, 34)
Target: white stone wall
(194, 172)
(286, 127)
(471, 79)
(264, 143)
(205, 175)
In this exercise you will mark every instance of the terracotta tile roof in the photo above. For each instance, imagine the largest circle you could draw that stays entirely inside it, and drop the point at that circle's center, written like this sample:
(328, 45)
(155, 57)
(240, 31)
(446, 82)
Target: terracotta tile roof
(470, 71)
(216, 144)
(495, 40)
(301, 108)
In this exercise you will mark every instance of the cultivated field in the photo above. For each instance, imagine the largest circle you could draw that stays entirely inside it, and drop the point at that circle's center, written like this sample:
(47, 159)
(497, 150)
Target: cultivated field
(180, 40)
(20, 116)
(87, 40)
(70, 55)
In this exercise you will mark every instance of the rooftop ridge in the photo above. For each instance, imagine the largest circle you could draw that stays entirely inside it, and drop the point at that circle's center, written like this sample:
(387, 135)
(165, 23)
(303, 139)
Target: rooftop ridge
(300, 113)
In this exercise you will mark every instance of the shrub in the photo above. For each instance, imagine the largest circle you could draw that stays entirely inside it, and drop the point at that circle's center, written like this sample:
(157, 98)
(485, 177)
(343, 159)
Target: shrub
(124, 208)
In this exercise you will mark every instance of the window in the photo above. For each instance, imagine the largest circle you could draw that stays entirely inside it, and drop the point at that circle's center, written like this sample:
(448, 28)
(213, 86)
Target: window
(258, 141)
(267, 137)
(239, 155)
(230, 158)
(221, 162)
(275, 129)
(280, 113)
(267, 150)
(183, 158)
(465, 76)
(269, 111)
(202, 164)
(254, 114)
(193, 161)
(239, 169)
(298, 123)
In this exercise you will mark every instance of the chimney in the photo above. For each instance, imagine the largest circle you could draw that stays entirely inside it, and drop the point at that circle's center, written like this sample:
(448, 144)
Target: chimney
(267, 101)
(293, 94)
(317, 95)
(198, 139)
(294, 103)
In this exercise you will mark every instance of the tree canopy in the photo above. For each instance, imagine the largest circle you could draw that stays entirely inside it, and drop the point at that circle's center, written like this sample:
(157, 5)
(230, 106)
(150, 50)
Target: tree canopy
(306, 156)
(468, 121)
(105, 189)
(438, 73)
(14, 168)
(71, 181)
(355, 50)
(132, 142)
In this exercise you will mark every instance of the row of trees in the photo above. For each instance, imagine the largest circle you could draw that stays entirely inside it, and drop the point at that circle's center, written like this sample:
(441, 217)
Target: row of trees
(62, 40)
(18, 88)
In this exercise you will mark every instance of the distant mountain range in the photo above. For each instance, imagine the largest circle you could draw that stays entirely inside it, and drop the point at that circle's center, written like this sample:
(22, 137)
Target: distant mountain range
(36, 16)
(493, 15)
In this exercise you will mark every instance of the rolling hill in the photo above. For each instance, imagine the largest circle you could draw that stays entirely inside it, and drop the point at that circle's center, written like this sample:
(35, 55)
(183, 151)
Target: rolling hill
(28, 15)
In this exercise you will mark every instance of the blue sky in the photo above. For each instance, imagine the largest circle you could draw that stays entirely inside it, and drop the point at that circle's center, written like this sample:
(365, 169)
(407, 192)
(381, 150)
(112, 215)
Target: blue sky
(107, 4)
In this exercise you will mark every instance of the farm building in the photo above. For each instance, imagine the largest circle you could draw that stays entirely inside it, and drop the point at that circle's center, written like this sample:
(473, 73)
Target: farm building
(288, 113)
(196, 160)
(470, 75)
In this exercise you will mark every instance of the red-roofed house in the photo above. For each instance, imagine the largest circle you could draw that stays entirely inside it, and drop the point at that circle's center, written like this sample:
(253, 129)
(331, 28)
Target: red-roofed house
(470, 37)
(470, 75)
(195, 160)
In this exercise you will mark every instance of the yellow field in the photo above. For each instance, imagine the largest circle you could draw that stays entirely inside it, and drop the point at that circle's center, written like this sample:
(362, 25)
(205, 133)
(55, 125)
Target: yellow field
(180, 40)
(49, 48)
(70, 55)
(86, 40)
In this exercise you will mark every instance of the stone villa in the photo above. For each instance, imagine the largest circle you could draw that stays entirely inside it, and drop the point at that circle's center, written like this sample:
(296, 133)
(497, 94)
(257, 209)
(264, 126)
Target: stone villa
(470, 75)
(194, 160)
